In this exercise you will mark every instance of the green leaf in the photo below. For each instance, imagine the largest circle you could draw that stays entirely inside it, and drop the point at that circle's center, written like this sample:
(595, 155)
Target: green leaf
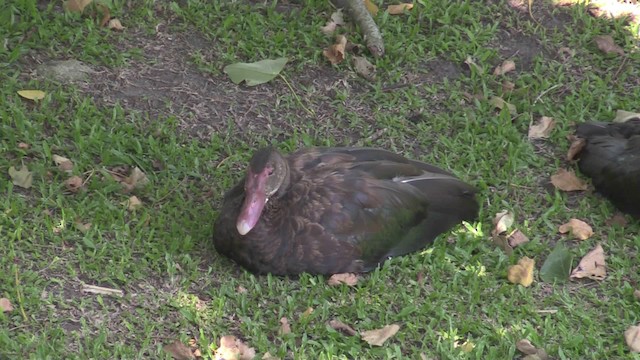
(255, 73)
(22, 177)
(557, 267)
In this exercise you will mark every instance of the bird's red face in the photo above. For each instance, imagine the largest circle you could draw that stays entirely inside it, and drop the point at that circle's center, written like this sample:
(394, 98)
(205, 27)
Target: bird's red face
(256, 196)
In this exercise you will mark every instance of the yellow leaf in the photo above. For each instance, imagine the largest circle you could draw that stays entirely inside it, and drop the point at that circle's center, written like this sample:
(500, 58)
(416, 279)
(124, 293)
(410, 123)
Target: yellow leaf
(566, 180)
(115, 24)
(373, 8)
(22, 177)
(399, 9)
(32, 94)
(522, 272)
(578, 228)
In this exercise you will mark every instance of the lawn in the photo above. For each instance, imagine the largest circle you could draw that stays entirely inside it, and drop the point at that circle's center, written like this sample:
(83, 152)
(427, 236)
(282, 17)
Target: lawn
(154, 97)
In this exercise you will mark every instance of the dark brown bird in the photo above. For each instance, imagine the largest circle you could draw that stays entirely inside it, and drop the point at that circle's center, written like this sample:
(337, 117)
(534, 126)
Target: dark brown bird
(335, 210)
(611, 158)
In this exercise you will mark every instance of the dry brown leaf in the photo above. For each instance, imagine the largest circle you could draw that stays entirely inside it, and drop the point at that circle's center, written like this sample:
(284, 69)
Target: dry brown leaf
(285, 328)
(5, 305)
(363, 67)
(232, 348)
(500, 103)
(307, 312)
(335, 52)
(336, 20)
(373, 8)
(377, 337)
(115, 24)
(268, 356)
(76, 6)
(542, 128)
(73, 183)
(133, 203)
(22, 178)
(508, 86)
(522, 272)
(399, 8)
(505, 67)
(349, 279)
(82, 227)
(624, 116)
(179, 351)
(632, 337)
(607, 45)
(502, 222)
(566, 180)
(241, 290)
(136, 179)
(342, 327)
(502, 242)
(592, 265)
(636, 294)
(517, 238)
(577, 144)
(526, 347)
(63, 163)
(578, 228)
(23, 146)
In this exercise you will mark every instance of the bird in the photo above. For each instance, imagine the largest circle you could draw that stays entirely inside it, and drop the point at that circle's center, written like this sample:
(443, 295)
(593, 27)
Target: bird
(325, 211)
(611, 158)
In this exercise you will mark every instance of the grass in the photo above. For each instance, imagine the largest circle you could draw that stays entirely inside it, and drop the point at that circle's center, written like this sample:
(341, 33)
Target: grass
(176, 286)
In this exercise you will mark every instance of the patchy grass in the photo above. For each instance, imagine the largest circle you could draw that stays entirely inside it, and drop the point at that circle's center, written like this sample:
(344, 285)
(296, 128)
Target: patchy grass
(158, 100)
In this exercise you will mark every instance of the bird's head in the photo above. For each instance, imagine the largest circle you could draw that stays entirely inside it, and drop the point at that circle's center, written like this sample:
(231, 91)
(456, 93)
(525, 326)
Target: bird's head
(268, 172)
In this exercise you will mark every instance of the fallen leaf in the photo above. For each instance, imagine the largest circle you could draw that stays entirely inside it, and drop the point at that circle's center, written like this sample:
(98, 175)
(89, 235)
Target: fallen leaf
(371, 7)
(566, 53)
(307, 312)
(336, 20)
(399, 9)
(363, 67)
(499, 103)
(255, 73)
(5, 305)
(232, 348)
(241, 290)
(467, 346)
(505, 67)
(115, 24)
(268, 356)
(63, 163)
(636, 294)
(632, 337)
(82, 227)
(578, 228)
(136, 179)
(607, 45)
(32, 94)
(335, 52)
(542, 128)
(76, 6)
(349, 279)
(502, 222)
(517, 238)
(22, 178)
(566, 180)
(577, 144)
(624, 116)
(522, 272)
(557, 266)
(526, 347)
(285, 328)
(133, 203)
(379, 336)
(23, 146)
(472, 65)
(179, 351)
(592, 265)
(342, 327)
(73, 183)
(508, 86)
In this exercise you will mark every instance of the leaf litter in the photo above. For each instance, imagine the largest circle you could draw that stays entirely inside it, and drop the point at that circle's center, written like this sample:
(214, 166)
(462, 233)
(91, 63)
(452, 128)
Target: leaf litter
(592, 265)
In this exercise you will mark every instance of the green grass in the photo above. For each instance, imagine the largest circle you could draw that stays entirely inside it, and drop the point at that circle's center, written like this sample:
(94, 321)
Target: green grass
(176, 286)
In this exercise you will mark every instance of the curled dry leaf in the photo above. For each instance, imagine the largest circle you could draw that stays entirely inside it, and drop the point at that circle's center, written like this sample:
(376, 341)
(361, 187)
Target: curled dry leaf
(307, 312)
(591, 266)
(23, 146)
(526, 347)
(566, 180)
(73, 183)
(63, 163)
(607, 45)
(335, 52)
(578, 228)
(133, 203)
(502, 222)
(5, 305)
(115, 24)
(377, 337)
(577, 144)
(179, 351)
(399, 9)
(349, 279)
(342, 327)
(542, 128)
(522, 272)
(632, 337)
(232, 348)
(136, 179)
(505, 67)
(285, 328)
(363, 67)
(336, 20)
(517, 238)
(624, 116)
